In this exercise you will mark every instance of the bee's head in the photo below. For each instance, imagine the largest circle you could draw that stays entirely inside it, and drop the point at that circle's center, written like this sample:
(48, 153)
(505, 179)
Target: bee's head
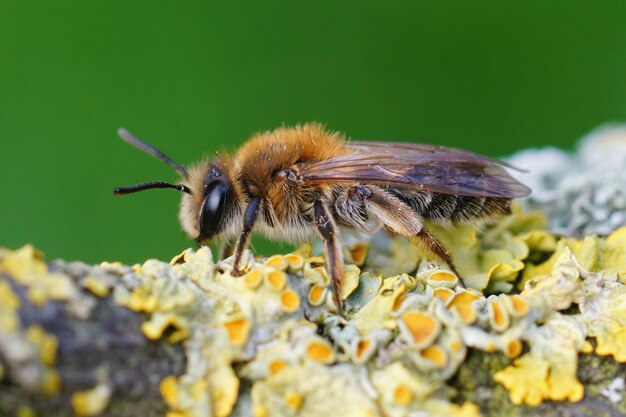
(205, 212)
(208, 201)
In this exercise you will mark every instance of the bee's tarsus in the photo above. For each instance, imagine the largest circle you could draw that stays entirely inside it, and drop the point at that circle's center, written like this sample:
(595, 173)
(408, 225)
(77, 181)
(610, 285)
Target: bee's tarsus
(433, 245)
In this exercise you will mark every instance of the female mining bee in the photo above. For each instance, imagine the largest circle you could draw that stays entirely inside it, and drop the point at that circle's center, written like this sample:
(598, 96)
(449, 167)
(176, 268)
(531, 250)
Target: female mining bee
(294, 184)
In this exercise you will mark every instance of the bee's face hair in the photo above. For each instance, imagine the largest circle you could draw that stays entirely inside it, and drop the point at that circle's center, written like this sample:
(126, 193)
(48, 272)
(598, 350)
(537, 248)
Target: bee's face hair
(212, 205)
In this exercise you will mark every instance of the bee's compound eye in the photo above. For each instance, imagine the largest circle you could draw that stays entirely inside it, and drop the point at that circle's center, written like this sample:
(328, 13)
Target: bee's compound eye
(213, 209)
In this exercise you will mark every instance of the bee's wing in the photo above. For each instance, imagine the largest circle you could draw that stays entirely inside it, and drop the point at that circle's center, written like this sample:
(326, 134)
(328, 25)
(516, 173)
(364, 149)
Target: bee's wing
(417, 167)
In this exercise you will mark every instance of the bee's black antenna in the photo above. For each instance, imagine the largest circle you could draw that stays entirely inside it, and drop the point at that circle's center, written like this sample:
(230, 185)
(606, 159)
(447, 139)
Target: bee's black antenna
(153, 184)
(139, 144)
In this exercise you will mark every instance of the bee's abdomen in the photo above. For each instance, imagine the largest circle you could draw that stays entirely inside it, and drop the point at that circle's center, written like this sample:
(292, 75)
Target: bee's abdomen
(448, 207)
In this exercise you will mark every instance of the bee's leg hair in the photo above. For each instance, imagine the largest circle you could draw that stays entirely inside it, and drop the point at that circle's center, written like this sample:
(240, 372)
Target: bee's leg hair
(327, 230)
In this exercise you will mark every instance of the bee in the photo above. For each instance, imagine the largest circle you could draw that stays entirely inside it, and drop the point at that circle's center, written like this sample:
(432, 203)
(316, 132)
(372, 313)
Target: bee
(296, 184)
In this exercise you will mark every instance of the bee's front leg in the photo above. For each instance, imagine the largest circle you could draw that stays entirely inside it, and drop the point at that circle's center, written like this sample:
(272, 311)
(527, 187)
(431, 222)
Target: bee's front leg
(249, 218)
(327, 230)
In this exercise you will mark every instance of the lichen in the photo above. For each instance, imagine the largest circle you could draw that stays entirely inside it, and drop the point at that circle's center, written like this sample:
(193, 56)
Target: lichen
(582, 192)
(27, 350)
(408, 323)
(91, 402)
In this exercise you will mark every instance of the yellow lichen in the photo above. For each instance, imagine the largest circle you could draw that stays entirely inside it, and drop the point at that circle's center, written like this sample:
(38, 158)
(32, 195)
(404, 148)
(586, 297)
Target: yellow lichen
(498, 318)
(414, 331)
(159, 322)
(611, 339)
(420, 327)
(253, 278)
(513, 348)
(526, 381)
(461, 304)
(320, 351)
(276, 279)
(169, 390)
(91, 402)
(295, 262)
(188, 397)
(275, 366)
(397, 304)
(531, 380)
(96, 286)
(46, 344)
(442, 278)
(377, 312)
(290, 300)
(294, 400)
(317, 275)
(443, 294)
(305, 250)
(350, 281)
(317, 295)
(27, 267)
(402, 395)
(362, 349)
(363, 346)
(238, 330)
(515, 305)
(9, 303)
(435, 355)
(182, 257)
(277, 262)
(593, 254)
(325, 390)
(358, 253)
(260, 411)
(404, 392)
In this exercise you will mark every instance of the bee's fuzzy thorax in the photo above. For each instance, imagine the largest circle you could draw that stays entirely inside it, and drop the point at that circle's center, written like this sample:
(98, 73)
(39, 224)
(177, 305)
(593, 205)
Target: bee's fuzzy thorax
(267, 152)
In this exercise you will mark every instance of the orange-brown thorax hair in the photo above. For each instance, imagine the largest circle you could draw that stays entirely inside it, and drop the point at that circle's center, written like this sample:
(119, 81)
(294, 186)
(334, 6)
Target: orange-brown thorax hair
(268, 152)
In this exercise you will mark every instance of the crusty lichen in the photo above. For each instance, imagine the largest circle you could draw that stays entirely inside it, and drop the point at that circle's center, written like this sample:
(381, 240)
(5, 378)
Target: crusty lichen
(582, 192)
(401, 337)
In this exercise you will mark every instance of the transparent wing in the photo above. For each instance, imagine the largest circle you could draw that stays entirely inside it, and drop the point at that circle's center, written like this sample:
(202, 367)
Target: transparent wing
(418, 167)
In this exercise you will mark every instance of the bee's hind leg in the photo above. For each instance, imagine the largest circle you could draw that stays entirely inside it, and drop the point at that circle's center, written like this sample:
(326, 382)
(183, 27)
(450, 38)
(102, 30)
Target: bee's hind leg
(432, 244)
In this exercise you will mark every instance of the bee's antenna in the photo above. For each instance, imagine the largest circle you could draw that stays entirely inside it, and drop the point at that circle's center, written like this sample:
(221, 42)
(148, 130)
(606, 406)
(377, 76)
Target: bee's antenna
(138, 143)
(153, 184)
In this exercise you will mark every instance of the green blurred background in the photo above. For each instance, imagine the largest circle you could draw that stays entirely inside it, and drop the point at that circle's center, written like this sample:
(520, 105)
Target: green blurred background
(193, 76)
